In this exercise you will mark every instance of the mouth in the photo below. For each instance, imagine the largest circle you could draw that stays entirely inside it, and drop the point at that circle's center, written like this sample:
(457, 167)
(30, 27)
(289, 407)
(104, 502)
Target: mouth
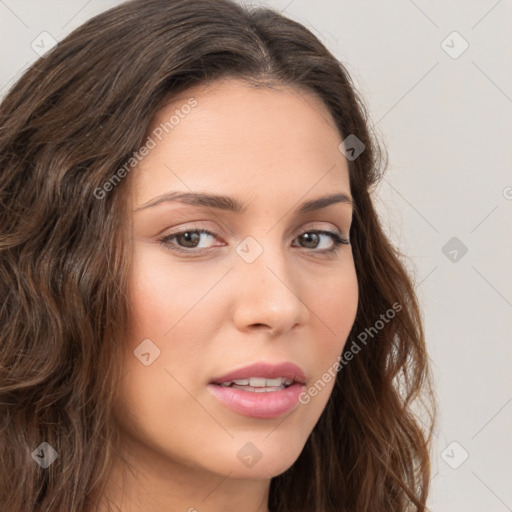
(258, 384)
(260, 390)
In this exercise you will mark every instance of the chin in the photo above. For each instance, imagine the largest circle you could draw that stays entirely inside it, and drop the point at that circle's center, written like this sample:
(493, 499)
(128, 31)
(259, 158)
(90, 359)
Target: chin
(258, 457)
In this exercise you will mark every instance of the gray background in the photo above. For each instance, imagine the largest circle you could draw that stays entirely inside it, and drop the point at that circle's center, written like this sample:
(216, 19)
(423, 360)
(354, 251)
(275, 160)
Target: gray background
(446, 121)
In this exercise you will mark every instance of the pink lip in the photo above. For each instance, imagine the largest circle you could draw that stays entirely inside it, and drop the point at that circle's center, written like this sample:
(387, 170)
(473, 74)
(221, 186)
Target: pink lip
(264, 405)
(266, 370)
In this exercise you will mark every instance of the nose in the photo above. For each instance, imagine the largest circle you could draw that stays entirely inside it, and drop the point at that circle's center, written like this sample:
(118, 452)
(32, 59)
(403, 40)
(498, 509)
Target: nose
(267, 294)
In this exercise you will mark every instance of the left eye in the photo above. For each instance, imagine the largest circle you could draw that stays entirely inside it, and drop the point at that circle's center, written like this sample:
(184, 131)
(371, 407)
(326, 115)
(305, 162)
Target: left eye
(315, 235)
(189, 239)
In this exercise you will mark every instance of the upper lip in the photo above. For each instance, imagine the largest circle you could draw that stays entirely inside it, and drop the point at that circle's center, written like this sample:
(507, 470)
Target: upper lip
(286, 370)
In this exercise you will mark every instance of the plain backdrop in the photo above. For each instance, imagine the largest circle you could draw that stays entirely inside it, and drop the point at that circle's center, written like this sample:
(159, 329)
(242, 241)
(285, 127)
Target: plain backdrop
(437, 79)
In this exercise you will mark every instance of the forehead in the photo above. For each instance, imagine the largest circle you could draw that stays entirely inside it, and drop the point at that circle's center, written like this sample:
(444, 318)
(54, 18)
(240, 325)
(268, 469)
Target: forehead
(232, 135)
(241, 97)
(227, 105)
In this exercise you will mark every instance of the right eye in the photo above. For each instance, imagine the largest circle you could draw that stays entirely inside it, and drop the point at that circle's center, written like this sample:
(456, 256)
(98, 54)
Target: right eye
(190, 239)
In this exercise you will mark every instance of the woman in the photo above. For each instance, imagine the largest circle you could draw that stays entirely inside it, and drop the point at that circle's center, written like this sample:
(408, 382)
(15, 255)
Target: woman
(201, 310)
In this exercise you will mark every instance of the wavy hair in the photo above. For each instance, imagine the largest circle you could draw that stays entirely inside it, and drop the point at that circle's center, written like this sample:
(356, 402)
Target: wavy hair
(76, 116)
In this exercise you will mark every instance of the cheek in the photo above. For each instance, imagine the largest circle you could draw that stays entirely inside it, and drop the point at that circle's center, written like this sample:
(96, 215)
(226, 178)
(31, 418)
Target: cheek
(334, 308)
(172, 307)
(152, 397)
(162, 292)
(336, 302)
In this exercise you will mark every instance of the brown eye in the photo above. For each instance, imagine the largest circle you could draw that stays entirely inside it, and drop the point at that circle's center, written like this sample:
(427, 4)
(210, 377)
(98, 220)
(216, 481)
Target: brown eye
(186, 239)
(313, 238)
(310, 238)
(190, 238)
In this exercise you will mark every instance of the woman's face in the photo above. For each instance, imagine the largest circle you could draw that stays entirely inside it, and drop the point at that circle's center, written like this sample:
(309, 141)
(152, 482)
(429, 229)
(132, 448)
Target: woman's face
(258, 286)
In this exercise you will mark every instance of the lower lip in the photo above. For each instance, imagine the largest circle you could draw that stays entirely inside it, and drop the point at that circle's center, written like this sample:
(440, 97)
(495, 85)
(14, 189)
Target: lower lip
(265, 405)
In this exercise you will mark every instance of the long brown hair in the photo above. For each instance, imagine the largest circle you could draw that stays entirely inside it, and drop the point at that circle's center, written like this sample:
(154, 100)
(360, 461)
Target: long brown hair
(73, 119)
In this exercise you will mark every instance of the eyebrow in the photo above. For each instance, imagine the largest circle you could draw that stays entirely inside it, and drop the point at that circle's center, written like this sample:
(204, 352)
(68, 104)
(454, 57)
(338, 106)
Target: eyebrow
(231, 204)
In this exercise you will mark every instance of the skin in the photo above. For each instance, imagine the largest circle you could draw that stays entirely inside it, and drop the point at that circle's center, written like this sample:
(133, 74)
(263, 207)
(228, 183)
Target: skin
(210, 311)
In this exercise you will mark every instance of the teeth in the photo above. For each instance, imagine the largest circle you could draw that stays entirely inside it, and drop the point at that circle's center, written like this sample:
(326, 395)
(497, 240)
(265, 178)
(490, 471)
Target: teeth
(241, 382)
(264, 390)
(259, 382)
(258, 390)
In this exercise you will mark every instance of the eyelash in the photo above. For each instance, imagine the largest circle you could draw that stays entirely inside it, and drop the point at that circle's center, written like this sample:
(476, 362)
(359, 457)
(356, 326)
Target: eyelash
(336, 238)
